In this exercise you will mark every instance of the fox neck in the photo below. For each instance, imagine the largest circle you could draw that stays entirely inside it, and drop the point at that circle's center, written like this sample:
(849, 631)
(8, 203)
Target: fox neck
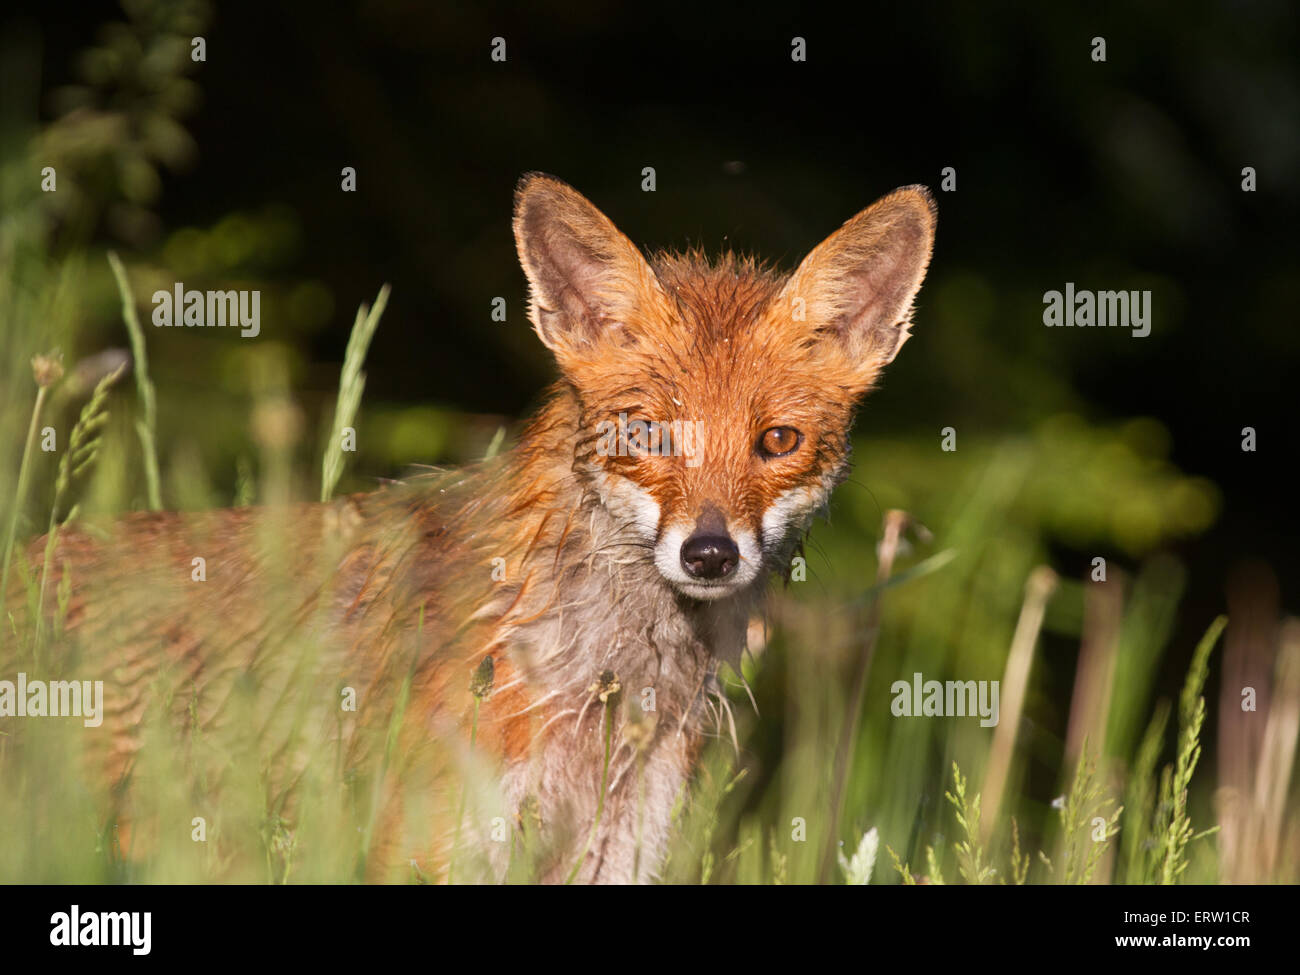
(589, 610)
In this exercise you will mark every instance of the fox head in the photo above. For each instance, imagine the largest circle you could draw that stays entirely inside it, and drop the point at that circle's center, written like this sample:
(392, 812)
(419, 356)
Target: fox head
(715, 398)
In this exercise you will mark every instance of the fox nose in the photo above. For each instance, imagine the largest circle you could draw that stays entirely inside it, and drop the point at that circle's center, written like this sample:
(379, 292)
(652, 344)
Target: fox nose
(709, 556)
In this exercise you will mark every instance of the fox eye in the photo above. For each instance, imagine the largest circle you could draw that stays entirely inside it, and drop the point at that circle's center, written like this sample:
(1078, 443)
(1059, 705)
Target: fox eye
(779, 441)
(642, 438)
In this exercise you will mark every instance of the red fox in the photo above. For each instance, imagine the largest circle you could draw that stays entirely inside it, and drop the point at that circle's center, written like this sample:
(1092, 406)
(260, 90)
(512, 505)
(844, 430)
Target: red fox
(605, 565)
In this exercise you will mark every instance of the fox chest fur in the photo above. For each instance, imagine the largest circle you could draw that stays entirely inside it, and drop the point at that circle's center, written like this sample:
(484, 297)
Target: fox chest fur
(604, 678)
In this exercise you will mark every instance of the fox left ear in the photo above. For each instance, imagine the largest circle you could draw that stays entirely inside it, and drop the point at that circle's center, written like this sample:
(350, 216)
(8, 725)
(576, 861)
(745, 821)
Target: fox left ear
(859, 283)
(588, 283)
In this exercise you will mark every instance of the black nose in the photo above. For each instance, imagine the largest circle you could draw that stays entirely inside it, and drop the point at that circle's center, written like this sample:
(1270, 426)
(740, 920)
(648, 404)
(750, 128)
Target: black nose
(709, 556)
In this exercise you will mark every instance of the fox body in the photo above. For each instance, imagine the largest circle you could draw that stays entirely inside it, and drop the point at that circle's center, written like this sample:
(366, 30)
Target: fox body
(607, 564)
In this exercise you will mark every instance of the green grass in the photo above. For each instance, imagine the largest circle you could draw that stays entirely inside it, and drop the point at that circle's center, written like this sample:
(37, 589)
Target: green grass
(820, 772)
(756, 814)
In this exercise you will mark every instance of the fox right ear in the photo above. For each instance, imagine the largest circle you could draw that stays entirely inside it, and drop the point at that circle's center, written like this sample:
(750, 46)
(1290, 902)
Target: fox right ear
(858, 284)
(587, 280)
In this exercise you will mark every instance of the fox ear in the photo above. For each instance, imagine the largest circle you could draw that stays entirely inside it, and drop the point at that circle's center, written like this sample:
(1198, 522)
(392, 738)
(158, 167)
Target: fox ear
(859, 283)
(586, 279)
